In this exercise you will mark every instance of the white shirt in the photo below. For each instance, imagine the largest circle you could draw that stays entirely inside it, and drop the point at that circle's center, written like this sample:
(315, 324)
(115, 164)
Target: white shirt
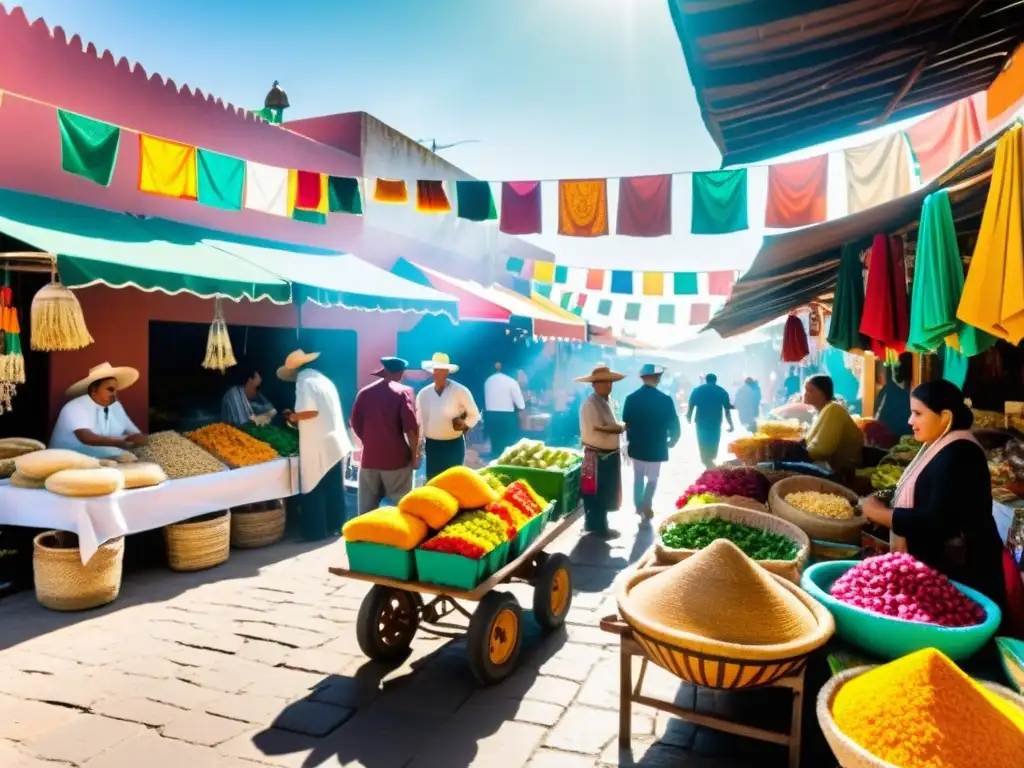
(323, 440)
(436, 411)
(502, 394)
(85, 413)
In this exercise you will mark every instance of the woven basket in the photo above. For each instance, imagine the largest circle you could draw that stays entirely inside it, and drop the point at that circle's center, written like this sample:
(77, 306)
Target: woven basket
(198, 544)
(820, 528)
(847, 752)
(257, 525)
(63, 583)
(729, 666)
(788, 569)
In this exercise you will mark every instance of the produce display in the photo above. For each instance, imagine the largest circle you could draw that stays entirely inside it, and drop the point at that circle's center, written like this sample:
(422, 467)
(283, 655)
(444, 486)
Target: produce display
(753, 542)
(177, 456)
(82, 483)
(788, 429)
(904, 451)
(39, 465)
(922, 711)
(762, 447)
(533, 453)
(988, 419)
(471, 534)
(884, 476)
(496, 480)
(822, 504)
(12, 447)
(467, 486)
(388, 526)
(875, 433)
(702, 498)
(431, 505)
(283, 440)
(232, 445)
(725, 481)
(900, 587)
(523, 497)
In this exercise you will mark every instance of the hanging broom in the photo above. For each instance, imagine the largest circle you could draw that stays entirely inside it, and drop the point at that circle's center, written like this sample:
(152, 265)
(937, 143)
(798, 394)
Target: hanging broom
(219, 354)
(58, 324)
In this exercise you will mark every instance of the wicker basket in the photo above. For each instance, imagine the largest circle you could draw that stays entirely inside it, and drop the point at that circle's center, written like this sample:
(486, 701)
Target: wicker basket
(257, 525)
(788, 569)
(820, 528)
(195, 545)
(729, 666)
(63, 583)
(850, 754)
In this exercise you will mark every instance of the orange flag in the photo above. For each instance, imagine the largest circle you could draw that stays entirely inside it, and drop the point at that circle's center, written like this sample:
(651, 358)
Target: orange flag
(583, 208)
(797, 193)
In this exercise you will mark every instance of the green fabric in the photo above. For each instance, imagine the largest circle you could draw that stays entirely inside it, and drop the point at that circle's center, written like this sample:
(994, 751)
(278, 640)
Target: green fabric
(685, 284)
(577, 310)
(666, 314)
(221, 180)
(88, 148)
(719, 202)
(515, 265)
(633, 311)
(343, 195)
(938, 284)
(566, 300)
(544, 289)
(273, 115)
(954, 366)
(848, 305)
(310, 217)
(475, 201)
(604, 307)
(561, 275)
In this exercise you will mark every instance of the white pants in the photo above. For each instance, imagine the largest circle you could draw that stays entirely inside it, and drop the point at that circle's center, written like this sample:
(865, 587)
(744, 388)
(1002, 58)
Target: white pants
(645, 482)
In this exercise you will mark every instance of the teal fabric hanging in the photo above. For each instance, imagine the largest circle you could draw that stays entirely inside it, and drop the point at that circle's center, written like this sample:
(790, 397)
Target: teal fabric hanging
(221, 180)
(88, 148)
(719, 202)
(954, 366)
(848, 305)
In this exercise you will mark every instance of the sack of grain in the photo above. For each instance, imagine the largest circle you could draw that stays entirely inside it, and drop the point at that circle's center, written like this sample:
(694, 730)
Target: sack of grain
(19, 480)
(85, 482)
(12, 447)
(141, 474)
(39, 465)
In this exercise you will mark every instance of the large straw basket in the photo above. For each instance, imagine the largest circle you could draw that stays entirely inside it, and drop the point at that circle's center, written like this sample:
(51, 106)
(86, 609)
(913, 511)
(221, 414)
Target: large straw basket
(199, 543)
(789, 569)
(821, 528)
(713, 664)
(257, 525)
(852, 755)
(63, 583)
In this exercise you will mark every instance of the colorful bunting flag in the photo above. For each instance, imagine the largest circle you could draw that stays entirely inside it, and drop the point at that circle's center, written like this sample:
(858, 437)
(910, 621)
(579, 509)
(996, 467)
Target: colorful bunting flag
(544, 289)
(566, 301)
(167, 168)
(595, 279)
(685, 284)
(622, 281)
(943, 137)
(604, 307)
(221, 180)
(88, 148)
(583, 208)
(719, 202)
(344, 196)
(309, 217)
(700, 314)
(561, 275)
(544, 271)
(390, 191)
(307, 190)
(632, 311)
(520, 208)
(581, 300)
(645, 206)
(666, 314)
(797, 193)
(431, 197)
(266, 188)
(654, 284)
(475, 201)
(877, 173)
(515, 265)
(721, 283)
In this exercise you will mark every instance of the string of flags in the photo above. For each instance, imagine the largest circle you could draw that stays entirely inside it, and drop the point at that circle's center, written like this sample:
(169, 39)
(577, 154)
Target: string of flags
(615, 310)
(797, 192)
(544, 274)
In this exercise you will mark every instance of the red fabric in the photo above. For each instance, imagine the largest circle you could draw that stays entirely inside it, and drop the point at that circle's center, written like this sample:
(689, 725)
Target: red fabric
(645, 206)
(1013, 621)
(520, 208)
(595, 279)
(944, 137)
(721, 283)
(588, 472)
(886, 320)
(700, 314)
(794, 341)
(307, 190)
(797, 193)
(581, 300)
(431, 197)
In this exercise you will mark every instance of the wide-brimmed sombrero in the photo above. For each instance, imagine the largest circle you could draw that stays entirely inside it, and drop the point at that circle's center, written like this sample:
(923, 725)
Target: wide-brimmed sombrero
(440, 362)
(124, 376)
(290, 370)
(601, 372)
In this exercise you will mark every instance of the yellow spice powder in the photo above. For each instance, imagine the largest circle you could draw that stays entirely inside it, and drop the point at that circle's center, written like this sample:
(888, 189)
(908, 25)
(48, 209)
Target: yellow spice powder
(922, 711)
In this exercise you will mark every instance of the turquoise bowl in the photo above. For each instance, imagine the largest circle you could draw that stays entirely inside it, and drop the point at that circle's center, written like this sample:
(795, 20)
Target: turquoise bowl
(889, 638)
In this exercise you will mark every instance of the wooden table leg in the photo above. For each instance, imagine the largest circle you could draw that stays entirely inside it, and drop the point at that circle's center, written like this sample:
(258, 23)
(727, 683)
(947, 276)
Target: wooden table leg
(625, 696)
(796, 724)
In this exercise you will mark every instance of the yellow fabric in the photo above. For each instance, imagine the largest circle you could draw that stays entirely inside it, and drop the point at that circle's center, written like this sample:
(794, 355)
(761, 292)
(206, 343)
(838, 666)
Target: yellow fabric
(293, 190)
(388, 526)
(324, 206)
(654, 283)
(431, 505)
(167, 168)
(544, 271)
(835, 437)
(468, 488)
(993, 297)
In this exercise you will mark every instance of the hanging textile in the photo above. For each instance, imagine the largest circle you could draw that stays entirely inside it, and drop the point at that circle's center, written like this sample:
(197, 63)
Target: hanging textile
(515, 265)
(848, 304)
(583, 208)
(431, 197)
(167, 168)
(307, 190)
(604, 307)
(700, 314)
(544, 271)
(645, 206)
(885, 321)
(544, 289)
(343, 195)
(684, 284)
(944, 137)
(1006, 94)
(632, 311)
(993, 296)
(954, 366)
(475, 200)
(390, 191)
(520, 208)
(719, 202)
(266, 188)
(566, 301)
(877, 173)
(221, 180)
(561, 275)
(622, 281)
(794, 341)
(654, 284)
(797, 193)
(721, 283)
(595, 279)
(938, 284)
(88, 148)
(666, 314)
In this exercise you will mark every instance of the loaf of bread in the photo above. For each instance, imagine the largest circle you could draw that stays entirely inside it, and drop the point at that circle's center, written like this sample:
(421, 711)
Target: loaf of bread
(19, 480)
(12, 447)
(85, 482)
(39, 465)
(142, 474)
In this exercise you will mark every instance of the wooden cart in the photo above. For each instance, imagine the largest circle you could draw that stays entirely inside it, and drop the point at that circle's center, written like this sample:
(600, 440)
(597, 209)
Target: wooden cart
(393, 610)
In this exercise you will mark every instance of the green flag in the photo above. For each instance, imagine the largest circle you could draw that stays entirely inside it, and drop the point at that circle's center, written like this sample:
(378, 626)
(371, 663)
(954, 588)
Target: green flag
(88, 148)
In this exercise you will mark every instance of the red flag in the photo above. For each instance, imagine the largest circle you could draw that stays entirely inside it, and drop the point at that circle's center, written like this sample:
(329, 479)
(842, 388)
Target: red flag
(797, 193)
(645, 206)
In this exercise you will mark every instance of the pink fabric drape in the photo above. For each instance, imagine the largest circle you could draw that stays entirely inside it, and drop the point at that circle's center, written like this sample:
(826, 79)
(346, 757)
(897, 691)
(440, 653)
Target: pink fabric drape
(520, 208)
(645, 206)
(944, 137)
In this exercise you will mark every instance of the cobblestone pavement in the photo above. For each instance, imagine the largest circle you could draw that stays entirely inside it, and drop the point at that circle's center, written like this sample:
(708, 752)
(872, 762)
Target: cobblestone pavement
(256, 663)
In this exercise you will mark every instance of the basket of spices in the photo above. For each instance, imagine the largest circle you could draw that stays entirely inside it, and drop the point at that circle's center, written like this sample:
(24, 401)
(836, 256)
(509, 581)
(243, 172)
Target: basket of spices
(920, 711)
(257, 525)
(824, 510)
(200, 543)
(64, 583)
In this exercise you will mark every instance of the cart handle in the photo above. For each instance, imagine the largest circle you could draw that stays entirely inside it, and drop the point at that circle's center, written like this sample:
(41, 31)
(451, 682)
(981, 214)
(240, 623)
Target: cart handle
(614, 625)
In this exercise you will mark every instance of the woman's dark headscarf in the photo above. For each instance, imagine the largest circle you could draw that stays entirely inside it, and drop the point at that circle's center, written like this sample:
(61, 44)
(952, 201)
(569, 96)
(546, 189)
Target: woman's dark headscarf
(823, 384)
(941, 396)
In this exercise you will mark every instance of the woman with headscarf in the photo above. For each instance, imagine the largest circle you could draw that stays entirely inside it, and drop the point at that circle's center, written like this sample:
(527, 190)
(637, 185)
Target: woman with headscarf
(834, 437)
(600, 431)
(942, 510)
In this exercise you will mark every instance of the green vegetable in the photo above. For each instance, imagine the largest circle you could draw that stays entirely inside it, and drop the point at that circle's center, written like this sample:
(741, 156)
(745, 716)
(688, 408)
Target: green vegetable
(284, 441)
(755, 543)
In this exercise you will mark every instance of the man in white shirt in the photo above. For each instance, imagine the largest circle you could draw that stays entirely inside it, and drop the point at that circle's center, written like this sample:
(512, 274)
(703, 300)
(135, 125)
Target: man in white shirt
(446, 411)
(502, 398)
(323, 446)
(93, 422)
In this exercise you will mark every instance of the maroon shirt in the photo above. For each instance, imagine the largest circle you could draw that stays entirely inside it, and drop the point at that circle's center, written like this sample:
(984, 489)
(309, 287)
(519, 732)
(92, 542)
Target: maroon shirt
(381, 415)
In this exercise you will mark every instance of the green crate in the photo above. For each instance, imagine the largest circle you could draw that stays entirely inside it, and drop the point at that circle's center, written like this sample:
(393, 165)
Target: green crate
(381, 560)
(529, 533)
(448, 570)
(497, 558)
(562, 486)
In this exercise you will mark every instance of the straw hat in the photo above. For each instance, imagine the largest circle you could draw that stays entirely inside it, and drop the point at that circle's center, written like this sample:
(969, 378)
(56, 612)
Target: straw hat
(290, 370)
(124, 376)
(440, 362)
(601, 372)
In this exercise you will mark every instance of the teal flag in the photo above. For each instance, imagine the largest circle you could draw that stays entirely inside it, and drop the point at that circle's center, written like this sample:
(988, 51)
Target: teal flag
(475, 201)
(221, 180)
(515, 265)
(666, 314)
(88, 148)
(343, 195)
(685, 284)
(633, 311)
(719, 202)
(310, 217)
(544, 289)
(604, 307)
(566, 300)
(561, 275)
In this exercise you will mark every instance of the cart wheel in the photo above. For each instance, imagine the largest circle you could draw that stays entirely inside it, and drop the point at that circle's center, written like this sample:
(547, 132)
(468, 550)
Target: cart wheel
(387, 622)
(495, 637)
(552, 591)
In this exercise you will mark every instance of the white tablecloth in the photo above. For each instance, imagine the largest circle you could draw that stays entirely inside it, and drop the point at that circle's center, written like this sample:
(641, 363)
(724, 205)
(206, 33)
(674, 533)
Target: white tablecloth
(97, 520)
